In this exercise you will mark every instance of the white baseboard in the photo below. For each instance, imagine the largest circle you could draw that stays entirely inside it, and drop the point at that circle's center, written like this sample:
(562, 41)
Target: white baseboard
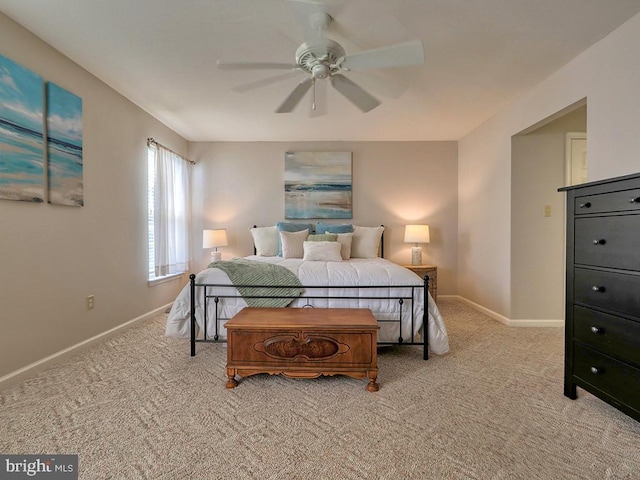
(35, 367)
(508, 321)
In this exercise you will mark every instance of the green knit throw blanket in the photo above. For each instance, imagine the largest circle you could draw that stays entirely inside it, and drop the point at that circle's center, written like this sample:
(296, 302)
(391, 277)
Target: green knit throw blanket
(265, 276)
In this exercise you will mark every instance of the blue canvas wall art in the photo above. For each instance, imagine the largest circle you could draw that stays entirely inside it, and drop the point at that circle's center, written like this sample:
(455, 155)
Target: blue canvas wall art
(64, 147)
(317, 185)
(21, 133)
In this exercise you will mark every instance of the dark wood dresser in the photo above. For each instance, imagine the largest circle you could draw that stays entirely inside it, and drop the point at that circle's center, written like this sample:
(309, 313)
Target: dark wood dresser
(602, 329)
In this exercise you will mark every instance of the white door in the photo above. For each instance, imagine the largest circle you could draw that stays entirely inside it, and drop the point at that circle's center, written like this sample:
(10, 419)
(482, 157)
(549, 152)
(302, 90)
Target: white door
(576, 158)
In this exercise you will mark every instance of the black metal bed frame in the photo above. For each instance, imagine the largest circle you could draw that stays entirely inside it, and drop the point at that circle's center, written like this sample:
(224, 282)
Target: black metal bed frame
(210, 295)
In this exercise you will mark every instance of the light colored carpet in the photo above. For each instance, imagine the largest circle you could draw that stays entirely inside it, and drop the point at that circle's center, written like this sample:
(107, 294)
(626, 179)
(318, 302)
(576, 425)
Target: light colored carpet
(138, 406)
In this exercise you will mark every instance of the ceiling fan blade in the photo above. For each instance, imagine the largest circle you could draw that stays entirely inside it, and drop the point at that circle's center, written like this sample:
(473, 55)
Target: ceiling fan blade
(222, 65)
(263, 82)
(400, 55)
(294, 97)
(390, 83)
(355, 94)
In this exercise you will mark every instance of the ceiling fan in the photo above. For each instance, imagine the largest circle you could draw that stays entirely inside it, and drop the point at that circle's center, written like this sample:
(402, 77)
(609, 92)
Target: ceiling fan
(321, 58)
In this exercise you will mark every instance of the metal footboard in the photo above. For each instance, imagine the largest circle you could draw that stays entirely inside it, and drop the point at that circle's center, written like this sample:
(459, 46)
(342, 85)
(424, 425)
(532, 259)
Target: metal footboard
(209, 294)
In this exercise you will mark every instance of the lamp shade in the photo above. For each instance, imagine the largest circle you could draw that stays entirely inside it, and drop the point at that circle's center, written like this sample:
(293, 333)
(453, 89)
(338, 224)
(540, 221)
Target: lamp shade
(214, 238)
(416, 234)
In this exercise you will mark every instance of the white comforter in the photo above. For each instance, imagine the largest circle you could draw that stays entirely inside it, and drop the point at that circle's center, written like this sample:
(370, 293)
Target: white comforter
(355, 272)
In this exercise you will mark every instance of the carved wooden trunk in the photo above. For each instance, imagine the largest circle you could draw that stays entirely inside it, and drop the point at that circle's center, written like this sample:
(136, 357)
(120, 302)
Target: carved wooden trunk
(302, 343)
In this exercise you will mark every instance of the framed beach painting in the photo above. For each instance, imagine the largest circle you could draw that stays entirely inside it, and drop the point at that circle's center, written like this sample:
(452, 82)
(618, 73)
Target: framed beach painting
(21, 133)
(317, 185)
(64, 147)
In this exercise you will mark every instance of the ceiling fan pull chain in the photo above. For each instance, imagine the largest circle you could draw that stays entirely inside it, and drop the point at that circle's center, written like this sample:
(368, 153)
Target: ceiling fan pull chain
(313, 105)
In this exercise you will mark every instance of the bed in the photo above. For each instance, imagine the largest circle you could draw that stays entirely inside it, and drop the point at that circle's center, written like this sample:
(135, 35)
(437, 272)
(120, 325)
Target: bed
(357, 278)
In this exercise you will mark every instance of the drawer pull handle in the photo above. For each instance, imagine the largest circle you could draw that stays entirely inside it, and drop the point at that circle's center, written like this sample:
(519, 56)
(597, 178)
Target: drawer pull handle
(596, 370)
(596, 330)
(634, 200)
(585, 205)
(596, 288)
(602, 241)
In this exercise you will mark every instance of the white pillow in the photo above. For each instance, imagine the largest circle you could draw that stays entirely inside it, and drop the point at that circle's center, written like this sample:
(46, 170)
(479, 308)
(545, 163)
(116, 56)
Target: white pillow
(265, 239)
(292, 243)
(345, 240)
(366, 241)
(322, 251)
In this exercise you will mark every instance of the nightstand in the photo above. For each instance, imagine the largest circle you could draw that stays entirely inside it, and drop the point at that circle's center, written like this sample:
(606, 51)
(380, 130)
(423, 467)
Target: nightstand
(432, 271)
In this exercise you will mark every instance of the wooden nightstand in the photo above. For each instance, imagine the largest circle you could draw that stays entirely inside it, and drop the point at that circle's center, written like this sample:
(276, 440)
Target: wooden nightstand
(432, 271)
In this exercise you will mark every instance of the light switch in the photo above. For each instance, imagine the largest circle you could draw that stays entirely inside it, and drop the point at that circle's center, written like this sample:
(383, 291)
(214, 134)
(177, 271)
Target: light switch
(547, 210)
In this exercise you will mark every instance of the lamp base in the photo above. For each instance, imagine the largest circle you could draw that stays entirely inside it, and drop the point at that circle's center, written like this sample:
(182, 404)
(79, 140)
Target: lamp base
(216, 256)
(416, 255)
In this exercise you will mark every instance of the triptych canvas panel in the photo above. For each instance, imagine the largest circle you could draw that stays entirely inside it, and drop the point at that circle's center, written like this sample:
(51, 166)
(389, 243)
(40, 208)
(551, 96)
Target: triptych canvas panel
(21, 133)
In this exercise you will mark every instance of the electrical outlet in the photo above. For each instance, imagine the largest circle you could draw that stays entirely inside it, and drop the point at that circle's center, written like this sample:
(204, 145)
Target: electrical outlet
(547, 210)
(90, 302)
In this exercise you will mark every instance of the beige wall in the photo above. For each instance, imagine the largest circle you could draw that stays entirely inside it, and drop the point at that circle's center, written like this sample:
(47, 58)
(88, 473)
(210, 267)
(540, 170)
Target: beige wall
(237, 185)
(52, 257)
(607, 76)
(537, 242)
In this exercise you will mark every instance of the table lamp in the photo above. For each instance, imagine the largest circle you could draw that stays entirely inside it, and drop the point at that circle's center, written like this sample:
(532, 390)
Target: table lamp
(416, 234)
(214, 239)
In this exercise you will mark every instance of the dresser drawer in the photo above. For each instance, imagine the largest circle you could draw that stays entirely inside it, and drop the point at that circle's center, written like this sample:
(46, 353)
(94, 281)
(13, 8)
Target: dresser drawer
(619, 380)
(617, 292)
(608, 241)
(608, 202)
(609, 334)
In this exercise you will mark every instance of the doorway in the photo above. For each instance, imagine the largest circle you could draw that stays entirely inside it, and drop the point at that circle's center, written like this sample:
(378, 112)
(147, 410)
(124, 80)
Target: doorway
(538, 169)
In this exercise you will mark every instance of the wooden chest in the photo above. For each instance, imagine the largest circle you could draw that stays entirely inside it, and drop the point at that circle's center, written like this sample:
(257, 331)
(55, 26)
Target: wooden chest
(302, 343)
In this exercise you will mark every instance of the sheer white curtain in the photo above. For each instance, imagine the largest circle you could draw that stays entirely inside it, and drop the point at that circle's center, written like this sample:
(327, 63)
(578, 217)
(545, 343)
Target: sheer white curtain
(171, 212)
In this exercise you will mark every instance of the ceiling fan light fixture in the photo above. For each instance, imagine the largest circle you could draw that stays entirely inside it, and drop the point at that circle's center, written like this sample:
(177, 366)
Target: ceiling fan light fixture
(320, 71)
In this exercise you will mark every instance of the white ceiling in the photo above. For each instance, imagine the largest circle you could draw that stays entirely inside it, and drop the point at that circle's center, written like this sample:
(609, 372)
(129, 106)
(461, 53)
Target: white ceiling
(161, 54)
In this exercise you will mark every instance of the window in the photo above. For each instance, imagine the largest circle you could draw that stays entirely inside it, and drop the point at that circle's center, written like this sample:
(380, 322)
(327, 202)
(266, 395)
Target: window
(168, 212)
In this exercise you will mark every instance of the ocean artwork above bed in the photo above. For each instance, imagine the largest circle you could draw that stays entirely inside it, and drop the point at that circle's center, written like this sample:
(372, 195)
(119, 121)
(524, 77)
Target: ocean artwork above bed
(21, 133)
(317, 185)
